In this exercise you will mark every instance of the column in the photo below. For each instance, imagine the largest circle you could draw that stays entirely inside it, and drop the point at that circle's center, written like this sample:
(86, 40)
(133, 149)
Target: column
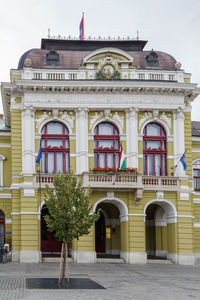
(132, 137)
(28, 141)
(179, 142)
(81, 140)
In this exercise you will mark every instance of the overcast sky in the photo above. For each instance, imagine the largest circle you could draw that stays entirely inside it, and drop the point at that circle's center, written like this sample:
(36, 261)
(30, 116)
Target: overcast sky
(172, 26)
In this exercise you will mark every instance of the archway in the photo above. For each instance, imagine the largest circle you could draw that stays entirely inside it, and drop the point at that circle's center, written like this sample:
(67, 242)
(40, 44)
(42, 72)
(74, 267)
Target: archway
(107, 231)
(161, 219)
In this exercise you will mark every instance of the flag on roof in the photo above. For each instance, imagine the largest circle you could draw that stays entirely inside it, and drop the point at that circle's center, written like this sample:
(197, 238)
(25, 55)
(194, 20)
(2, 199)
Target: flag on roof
(82, 28)
(122, 163)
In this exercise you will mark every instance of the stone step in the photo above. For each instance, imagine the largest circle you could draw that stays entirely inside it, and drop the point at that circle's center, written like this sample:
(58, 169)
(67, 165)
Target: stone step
(54, 259)
(159, 261)
(111, 260)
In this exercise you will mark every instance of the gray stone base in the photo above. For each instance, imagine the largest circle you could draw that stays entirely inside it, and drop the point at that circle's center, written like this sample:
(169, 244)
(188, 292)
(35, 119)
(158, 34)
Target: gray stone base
(182, 259)
(125, 256)
(26, 256)
(84, 257)
(15, 256)
(137, 258)
(30, 256)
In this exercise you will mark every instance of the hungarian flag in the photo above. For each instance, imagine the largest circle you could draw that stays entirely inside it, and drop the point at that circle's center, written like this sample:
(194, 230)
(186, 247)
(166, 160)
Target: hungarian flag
(82, 28)
(122, 163)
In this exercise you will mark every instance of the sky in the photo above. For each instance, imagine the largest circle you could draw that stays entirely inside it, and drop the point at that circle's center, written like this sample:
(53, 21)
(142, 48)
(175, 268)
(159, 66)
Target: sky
(172, 26)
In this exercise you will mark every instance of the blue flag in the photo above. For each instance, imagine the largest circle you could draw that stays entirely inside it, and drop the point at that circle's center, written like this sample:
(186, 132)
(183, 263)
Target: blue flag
(182, 160)
(39, 156)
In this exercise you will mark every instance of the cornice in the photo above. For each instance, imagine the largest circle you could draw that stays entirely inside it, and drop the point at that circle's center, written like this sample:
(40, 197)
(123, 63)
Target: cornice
(131, 87)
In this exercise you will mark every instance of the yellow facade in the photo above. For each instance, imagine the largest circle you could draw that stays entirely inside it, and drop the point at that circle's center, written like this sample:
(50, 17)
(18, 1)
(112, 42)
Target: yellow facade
(143, 215)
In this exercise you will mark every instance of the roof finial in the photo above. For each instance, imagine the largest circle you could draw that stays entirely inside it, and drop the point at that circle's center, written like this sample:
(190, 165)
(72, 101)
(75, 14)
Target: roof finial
(49, 36)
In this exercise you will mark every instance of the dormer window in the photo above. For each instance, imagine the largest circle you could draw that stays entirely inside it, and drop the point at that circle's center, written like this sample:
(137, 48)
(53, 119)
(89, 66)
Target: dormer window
(152, 59)
(52, 58)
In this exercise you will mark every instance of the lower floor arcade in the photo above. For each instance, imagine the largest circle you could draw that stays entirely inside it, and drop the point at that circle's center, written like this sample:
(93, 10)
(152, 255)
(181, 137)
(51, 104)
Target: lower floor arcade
(153, 228)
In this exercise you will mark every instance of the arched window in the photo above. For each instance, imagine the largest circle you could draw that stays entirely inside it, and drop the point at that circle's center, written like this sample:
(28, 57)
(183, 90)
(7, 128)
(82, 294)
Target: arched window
(106, 146)
(154, 150)
(55, 148)
(2, 228)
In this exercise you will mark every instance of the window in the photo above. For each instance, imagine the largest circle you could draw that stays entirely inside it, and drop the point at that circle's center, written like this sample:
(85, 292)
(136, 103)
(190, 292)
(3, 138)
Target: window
(154, 150)
(152, 59)
(106, 146)
(55, 148)
(196, 178)
(52, 58)
(2, 227)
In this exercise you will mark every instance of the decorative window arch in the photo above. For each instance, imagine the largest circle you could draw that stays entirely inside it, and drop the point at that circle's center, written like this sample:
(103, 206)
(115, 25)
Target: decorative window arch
(2, 227)
(55, 148)
(154, 150)
(106, 145)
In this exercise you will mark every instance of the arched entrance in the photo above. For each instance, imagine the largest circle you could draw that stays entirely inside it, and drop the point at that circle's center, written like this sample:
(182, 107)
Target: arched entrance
(107, 231)
(161, 219)
(49, 244)
(2, 228)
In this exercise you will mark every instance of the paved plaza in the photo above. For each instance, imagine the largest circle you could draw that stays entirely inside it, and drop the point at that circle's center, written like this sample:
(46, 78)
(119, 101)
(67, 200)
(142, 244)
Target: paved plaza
(121, 281)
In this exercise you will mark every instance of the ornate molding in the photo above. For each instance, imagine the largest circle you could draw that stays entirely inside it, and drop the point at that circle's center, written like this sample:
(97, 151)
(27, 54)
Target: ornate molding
(68, 119)
(166, 119)
(147, 116)
(119, 120)
(94, 119)
(39, 120)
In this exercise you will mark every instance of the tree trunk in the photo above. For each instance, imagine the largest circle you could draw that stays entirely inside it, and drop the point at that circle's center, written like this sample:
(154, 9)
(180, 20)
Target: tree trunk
(67, 264)
(62, 265)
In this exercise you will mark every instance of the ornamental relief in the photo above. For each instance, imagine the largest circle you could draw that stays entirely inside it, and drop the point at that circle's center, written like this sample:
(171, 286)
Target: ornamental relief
(41, 119)
(68, 118)
(94, 119)
(196, 164)
(166, 118)
(118, 120)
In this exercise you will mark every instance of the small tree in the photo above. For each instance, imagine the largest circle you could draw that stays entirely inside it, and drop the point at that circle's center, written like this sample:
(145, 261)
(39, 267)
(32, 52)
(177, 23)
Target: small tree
(69, 214)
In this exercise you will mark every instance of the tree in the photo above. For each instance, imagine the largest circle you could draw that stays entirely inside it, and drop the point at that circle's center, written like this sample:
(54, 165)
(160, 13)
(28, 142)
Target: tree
(69, 214)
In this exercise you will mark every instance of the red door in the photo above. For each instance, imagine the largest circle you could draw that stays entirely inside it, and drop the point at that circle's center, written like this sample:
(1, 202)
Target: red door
(100, 233)
(48, 241)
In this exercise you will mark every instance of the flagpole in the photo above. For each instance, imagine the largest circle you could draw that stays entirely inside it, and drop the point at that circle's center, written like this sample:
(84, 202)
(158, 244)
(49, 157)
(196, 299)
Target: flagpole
(83, 27)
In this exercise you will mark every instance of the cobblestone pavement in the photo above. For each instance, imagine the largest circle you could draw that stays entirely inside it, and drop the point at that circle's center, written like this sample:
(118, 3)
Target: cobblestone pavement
(122, 281)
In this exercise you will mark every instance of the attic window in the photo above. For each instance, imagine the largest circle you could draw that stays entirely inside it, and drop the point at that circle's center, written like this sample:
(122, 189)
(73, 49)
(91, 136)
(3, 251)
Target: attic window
(52, 58)
(152, 59)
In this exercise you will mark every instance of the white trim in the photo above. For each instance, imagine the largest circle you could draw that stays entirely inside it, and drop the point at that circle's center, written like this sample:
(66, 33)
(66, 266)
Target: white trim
(108, 120)
(196, 150)
(5, 145)
(196, 200)
(185, 216)
(105, 50)
(25, 213)
(116, 202)
(156, 120)
(8, 221)
(39, 209)
(84, 256)
(54, 119)
(196, 224)
(168, 207)
(5, 196)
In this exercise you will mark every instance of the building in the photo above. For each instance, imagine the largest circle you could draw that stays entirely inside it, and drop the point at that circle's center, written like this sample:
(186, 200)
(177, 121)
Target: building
(81, 99)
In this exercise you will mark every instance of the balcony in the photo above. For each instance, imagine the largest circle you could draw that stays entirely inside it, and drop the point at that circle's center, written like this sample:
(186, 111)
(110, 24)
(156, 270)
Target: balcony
(118, 181)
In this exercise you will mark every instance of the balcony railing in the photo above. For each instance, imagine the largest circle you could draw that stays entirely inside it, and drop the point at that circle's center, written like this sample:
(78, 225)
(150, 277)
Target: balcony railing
(161, 183)
(128, 181)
